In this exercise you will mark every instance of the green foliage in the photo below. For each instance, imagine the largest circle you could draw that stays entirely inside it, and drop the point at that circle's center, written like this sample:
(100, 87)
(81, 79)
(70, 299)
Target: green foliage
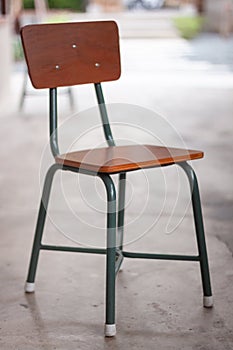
(66, 4)
(58, 18)
(76, 5)
(28, 4)
(189, 27)
(17, 49)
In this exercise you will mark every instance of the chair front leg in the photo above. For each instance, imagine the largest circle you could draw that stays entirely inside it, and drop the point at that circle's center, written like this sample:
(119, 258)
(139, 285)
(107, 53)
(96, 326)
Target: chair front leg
(110, 326)
(198, 220)
(30, 283)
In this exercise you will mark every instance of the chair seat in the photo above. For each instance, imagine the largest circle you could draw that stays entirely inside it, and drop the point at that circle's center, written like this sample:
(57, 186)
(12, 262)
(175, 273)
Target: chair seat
(125, 158)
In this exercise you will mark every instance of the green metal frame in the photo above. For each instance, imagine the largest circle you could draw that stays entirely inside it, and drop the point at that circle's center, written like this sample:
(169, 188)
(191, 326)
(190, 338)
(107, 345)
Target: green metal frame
(115, 216)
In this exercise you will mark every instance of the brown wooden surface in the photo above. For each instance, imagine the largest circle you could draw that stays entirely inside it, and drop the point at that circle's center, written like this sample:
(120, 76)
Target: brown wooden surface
(3, 7)
(68, 54)
(124, 158)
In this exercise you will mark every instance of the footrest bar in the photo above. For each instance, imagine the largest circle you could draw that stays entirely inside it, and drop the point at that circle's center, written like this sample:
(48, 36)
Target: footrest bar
(73, 249)
(160, 256)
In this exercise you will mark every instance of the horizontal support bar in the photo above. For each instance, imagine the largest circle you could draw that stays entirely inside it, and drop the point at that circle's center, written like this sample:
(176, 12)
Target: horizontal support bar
(160, 256)
(120, 256)
(73, 249)
(79, 171)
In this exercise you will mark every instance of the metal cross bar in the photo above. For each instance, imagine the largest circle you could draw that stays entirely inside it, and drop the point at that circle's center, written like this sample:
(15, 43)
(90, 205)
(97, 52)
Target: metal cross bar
(73, 249)
(160, 256)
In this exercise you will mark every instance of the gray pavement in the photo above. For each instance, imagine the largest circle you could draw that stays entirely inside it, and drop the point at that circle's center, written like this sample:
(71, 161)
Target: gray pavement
(140, 24)
(185, 95)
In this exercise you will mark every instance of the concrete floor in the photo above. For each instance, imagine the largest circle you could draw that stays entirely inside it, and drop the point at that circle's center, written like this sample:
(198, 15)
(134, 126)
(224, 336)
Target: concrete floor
(159, 304)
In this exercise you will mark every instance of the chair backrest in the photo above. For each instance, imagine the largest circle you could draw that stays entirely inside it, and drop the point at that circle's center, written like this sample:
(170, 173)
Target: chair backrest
(74, 53)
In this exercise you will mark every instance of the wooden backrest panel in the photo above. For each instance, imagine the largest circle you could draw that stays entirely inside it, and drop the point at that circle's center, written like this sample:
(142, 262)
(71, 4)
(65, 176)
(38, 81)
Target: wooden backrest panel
(74, 53)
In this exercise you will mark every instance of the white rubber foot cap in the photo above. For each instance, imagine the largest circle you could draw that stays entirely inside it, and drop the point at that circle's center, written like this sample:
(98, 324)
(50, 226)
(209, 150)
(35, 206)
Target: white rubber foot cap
(208, 301)
(29, 287)
(110, 330)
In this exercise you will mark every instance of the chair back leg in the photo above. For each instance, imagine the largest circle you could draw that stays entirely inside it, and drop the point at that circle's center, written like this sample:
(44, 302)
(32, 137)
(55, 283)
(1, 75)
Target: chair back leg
(198, 220)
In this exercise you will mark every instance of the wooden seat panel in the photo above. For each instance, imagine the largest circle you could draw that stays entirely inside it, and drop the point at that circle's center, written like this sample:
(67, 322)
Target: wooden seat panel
(125, 158)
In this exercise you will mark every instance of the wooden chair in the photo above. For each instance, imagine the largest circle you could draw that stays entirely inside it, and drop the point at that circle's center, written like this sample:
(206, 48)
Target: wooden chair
(79, 53)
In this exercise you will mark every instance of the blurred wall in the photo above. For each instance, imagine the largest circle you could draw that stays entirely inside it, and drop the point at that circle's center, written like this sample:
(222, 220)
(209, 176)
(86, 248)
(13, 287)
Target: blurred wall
(105, 5)
(5, 60)
(219, 16)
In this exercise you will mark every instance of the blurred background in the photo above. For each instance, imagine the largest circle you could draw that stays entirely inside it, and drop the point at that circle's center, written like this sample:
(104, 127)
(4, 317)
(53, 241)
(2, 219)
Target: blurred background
(177, 61)
(136, 18)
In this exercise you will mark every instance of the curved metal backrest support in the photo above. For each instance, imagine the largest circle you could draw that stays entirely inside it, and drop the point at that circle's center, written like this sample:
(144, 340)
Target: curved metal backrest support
(53, 116)
(104, 115)
(53, 132)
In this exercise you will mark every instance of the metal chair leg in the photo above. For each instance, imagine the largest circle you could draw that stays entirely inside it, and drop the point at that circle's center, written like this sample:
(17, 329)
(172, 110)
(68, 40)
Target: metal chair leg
(30, 283)
(71, 97)
(198, 220)
(121, 210)
(24, 90)
(110, 327)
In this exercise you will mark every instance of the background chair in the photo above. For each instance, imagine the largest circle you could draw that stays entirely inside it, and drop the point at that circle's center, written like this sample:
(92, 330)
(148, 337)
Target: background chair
(79, 53)
(40, 15)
